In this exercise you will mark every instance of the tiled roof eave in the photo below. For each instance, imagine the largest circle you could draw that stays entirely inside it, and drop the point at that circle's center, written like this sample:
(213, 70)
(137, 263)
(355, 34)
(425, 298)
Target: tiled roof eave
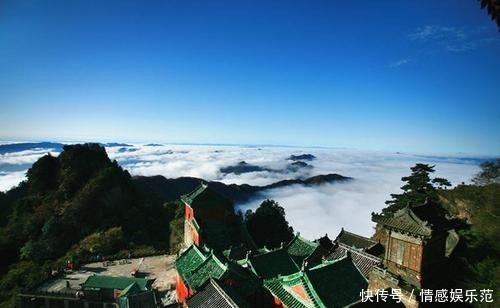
(189, 197)
(275, 287)
(411, 233)
(365, 243)
(223, 294)
(422, 229)
(213, 294)
(186, 272)
(193, 275)
(361, 252)
(316, 299)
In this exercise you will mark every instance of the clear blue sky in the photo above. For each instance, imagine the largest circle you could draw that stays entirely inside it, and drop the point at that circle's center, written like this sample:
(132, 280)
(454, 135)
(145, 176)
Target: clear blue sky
(391, 75)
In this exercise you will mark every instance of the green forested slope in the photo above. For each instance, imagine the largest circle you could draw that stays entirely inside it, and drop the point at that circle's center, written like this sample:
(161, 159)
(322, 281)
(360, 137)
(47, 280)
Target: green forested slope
(74, 207)
(477, 256)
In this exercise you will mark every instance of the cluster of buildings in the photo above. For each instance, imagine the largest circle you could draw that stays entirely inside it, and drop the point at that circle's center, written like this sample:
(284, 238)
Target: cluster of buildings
(128, 283)
(95, 291)
(220, 266)
(411, 245)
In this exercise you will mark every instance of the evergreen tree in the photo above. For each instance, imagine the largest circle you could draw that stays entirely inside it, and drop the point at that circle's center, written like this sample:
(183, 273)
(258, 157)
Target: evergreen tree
(441, 183)
(268, 226)
(417, 189)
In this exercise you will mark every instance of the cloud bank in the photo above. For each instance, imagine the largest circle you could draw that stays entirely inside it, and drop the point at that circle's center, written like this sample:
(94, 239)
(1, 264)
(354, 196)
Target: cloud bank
(313, 211)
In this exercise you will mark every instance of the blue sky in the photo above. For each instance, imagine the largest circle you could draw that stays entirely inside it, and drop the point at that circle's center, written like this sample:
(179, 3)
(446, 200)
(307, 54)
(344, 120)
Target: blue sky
(416, 76)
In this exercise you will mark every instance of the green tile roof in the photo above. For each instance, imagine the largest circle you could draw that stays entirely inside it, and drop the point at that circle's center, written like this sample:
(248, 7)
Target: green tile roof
(273, 263)
(131, 289)
(188, 198)
(331, 284)
(280, 287)
(121, 283)
(404, 220)
(354, 240)
(242, 279)
(205, 197)
(214, 294)
(363, 260)
(196, 268)
(338, 283)
(189, 260)
(300, 248)
(212, 267)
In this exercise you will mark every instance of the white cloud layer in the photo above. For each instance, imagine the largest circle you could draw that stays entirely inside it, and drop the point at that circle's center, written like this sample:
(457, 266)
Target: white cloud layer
(10, 179)
(313, 211)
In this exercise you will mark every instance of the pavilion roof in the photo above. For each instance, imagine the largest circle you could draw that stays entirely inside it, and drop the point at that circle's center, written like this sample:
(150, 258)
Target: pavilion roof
(197, 267)
(405, 220)
(214, 294)
(354, 240)
(300, 248)
(273, 263)
(120, 283)
(363, 260)
(189, 260)
(211, 267)
(331, 284)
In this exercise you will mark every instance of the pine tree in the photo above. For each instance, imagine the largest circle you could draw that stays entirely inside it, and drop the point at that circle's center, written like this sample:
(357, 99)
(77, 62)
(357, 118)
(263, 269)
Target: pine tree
(417, 190)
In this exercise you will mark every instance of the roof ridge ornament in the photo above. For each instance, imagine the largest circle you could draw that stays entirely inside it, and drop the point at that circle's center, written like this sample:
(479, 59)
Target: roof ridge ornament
(304, 265)
(248, 254)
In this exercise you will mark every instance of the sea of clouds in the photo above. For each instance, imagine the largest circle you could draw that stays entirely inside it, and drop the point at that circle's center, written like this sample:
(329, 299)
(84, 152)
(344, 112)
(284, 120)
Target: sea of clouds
(313, 211)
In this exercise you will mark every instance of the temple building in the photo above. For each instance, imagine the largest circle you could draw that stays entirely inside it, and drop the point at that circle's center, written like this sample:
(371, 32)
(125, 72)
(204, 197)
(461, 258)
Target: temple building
(330, 284)
(202, 206)
(359, 243)
(195, 266)
(417, 241)
(364, 252)
(215, 268)
(304, 252)
(126, 291)
(210, 220)
(271, 263)
(298, 275)
(214, 294)
(363, 260)
(94, 291)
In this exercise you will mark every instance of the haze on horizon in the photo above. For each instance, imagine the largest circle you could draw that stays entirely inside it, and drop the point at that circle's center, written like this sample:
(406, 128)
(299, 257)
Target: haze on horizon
(394, 76)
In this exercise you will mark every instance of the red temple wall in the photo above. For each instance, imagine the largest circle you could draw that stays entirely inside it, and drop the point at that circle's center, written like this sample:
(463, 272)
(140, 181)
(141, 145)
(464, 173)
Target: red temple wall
(189, 212)
(196, 237)
(181, 290)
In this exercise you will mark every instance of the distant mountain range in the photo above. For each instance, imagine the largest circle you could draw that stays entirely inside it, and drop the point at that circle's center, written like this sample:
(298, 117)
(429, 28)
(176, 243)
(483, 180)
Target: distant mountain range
(25, 146)
(171, 189)
(244, 167)
(308, 157)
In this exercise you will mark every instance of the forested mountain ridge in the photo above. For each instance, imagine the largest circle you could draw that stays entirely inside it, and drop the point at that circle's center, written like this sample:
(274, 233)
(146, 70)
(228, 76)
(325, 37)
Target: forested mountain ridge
(74, 206)
(171, 189)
